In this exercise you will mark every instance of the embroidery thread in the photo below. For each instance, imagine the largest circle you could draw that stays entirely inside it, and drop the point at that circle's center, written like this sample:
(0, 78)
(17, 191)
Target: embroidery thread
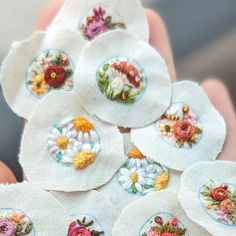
(74, 141)
(121, 80)
(98, 22)
(83, 228)
(180, 126)
(51, 70)
(219, 200)
(163, 225)
(14, 222)
(141, 175)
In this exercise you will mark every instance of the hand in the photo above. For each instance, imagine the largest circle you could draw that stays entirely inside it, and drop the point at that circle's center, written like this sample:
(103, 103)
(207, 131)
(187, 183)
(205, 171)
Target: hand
(158, 39)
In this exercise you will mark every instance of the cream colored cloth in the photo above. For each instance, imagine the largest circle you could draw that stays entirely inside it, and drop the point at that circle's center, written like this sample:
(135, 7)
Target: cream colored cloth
(135, 218)
(49, 217)
(191, 185)
(154, 100)
(92, 205)
(210, 144)
(42, 170)
(73, 12)
(19, 59)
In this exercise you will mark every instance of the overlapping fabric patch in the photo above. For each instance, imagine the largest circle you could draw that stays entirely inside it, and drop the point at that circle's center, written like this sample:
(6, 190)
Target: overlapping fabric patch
(65, 149)
(91, 213)
(123, 86)
(27, 210)
(189, 131)
(157, 214)
(38, 65)
(207, 194)
(94, 18)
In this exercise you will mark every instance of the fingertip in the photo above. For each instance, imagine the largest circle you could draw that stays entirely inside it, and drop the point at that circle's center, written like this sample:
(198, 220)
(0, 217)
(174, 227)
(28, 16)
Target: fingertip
(6, 175)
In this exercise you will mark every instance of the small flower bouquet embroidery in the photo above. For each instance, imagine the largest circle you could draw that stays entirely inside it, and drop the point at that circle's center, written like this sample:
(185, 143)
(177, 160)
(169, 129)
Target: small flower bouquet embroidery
(160, 228)
(52, 69)
(83, 228)
(220, 201)
(180, 126)
(98, 22)
(14, 222)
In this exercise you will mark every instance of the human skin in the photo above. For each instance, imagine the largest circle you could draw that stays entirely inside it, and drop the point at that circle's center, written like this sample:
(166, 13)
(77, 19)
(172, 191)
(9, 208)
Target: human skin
(159, 39)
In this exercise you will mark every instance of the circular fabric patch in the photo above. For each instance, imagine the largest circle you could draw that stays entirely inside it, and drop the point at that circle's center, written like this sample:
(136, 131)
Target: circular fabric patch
(190, 130)
(65, 149)
(210, 188)
(52, 69)
(156, 214)
(123, 86)
(93, 18)
(24, 209)
(90, 213)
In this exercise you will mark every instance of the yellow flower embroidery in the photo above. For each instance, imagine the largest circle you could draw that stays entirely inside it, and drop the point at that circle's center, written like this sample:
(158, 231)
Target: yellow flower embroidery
(83, 159)
(62, 142)
(82, 124)
(162, 181)
(135, 153)
(39, 85)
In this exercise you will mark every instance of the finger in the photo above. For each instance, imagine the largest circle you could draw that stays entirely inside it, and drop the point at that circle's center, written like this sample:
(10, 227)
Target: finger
(159, 39)
(220, 98)
(6, 175)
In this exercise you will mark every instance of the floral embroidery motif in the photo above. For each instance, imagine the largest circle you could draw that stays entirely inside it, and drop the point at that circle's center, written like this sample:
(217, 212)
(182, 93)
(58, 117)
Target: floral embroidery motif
(14, 222)
(219, 201)
(83, 228)
(180, 126)
(121, 80)
(141, 175)
(163, 225)
(51, 70)
(98, 22)
(74, 141)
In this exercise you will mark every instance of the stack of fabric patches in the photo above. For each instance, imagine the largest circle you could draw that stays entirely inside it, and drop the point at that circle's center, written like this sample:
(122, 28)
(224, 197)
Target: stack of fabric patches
(90, 72)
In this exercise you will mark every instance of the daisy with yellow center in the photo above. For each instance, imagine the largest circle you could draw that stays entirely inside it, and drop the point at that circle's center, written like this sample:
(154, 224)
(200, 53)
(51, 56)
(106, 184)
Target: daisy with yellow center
(81, 124)
(39, 86)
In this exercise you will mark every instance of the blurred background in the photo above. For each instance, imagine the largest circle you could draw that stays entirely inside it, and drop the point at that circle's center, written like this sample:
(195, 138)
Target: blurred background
(202, 34)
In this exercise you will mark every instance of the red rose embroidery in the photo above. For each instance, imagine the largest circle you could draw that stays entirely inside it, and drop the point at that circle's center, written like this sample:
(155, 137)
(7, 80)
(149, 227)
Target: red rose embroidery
(183, 130)
(55, 76)
(219, 194)
(82, 231)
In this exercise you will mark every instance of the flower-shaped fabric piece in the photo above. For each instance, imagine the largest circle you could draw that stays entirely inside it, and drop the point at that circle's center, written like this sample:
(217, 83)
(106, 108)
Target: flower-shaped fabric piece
(189, 131)
(64, 148)
(28, 210)
(208, 196)
(93, 18)
(39, 65)
(157, 214)
(127, 82)
(90, 213)
(138, 176)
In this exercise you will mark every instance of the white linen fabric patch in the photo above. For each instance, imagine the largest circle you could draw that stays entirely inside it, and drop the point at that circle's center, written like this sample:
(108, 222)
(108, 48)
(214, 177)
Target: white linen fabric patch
(208, 196)
(95, 17)
(28, 210)
(190, 130)
(90, 213)
(65, 149)
(38, 65)
(125, 82)
(158, 213)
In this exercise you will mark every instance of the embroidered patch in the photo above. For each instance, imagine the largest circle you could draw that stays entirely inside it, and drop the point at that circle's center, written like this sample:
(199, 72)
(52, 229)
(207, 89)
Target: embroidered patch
(141, 175)
(121, 80)
(99, 21)
(219, 201)
(86, 226)
(74, 141)
(180, 126)
(51, 70)
(14, 222)
(163, 224)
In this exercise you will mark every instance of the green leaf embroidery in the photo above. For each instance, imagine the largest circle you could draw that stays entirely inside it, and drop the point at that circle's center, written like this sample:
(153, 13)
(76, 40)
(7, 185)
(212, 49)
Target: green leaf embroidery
(147, 186)
(59, 157)
(134, 189)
